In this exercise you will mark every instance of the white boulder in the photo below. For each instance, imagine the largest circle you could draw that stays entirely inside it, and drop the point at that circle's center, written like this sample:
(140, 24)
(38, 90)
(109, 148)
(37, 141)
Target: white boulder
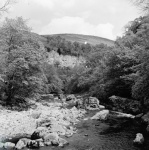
(139, 139)
(9, 145)
(101, 115)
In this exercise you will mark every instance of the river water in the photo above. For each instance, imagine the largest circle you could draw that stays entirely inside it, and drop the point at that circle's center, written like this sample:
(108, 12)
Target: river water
(112, 134)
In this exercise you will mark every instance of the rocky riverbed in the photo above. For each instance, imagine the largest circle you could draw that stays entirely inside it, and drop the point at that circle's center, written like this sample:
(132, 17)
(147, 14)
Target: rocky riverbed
(52, 125)
(46, 120)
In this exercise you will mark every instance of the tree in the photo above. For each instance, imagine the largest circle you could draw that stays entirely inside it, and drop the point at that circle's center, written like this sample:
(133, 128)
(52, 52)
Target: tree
(54, 83)
(24, 56)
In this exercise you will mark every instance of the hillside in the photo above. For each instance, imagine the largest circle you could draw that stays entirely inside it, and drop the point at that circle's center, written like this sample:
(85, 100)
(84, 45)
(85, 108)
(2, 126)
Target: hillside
(93, 40)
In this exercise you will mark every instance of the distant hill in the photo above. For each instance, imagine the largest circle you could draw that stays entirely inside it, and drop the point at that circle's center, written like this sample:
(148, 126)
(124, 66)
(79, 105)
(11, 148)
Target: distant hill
(93, 40)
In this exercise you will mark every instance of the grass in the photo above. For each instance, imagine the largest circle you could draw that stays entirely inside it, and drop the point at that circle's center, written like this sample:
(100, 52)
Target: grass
(93, 40)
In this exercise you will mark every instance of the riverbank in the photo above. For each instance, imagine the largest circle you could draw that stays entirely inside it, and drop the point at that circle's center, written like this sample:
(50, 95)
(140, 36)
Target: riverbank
(24, 123)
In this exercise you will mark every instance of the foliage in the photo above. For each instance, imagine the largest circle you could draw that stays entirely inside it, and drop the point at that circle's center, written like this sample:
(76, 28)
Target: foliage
(54, 83)
(66, 47)
(24, 55)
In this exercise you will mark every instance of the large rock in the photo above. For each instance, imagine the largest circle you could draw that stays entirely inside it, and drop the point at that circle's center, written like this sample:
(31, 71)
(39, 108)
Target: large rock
(1, 145)
(92, 103)
(9, 145)
(62, 142)
(145, 118)
(125, 105)
(20, 144)
(51, 138)
(101, 115)
(80, 103)
(70, 98)
(36, 114)
(139, 139)
(33, 144)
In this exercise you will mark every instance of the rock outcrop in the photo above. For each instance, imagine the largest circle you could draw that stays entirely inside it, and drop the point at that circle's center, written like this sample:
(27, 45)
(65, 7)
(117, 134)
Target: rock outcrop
(125, 105)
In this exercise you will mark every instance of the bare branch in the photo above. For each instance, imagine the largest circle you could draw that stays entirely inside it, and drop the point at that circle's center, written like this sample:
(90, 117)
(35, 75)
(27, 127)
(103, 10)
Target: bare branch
(142, 4)
(5, 6)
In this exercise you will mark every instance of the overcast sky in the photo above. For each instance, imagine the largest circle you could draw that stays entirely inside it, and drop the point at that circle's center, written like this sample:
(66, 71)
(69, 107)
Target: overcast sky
(104, 18)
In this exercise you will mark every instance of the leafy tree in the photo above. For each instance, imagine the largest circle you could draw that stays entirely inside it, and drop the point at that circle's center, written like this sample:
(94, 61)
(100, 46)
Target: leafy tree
(24, 55)
(54, 82)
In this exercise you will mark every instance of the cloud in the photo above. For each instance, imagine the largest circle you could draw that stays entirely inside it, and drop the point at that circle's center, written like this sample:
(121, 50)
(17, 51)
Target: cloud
(45, 3)
(54, 4)
(79, 26)
(34, 23)
(68, 3)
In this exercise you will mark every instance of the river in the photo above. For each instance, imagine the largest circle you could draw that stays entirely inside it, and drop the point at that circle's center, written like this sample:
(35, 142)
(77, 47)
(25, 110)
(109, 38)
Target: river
(112, 134)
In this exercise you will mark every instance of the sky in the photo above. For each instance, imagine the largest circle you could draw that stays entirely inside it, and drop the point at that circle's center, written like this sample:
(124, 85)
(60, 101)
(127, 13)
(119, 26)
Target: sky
(103, 18)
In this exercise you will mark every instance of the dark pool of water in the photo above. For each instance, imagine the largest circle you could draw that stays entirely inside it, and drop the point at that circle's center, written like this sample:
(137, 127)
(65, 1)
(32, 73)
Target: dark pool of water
(112, 134)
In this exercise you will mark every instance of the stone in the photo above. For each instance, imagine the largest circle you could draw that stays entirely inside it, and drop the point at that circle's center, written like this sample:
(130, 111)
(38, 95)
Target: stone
(41, 142)
(92, 108)
(51, 137)
(20, 144)
(43, 122)
(70, 97)
(69, 133)
(25, 140)
(147, 128)
(101, 107)
(39, 133)
(36, 114)
(86, 119)
(145, 118)
(80, 103)
(121, 115)
(101, 115)
(139, 115)
(125, 105)
(33, 144)
(139, 139)
(62, 142)
(1, 145)
(54, 142)
(92, 103)
(9, 145)
(35, 136)
(48, 143)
